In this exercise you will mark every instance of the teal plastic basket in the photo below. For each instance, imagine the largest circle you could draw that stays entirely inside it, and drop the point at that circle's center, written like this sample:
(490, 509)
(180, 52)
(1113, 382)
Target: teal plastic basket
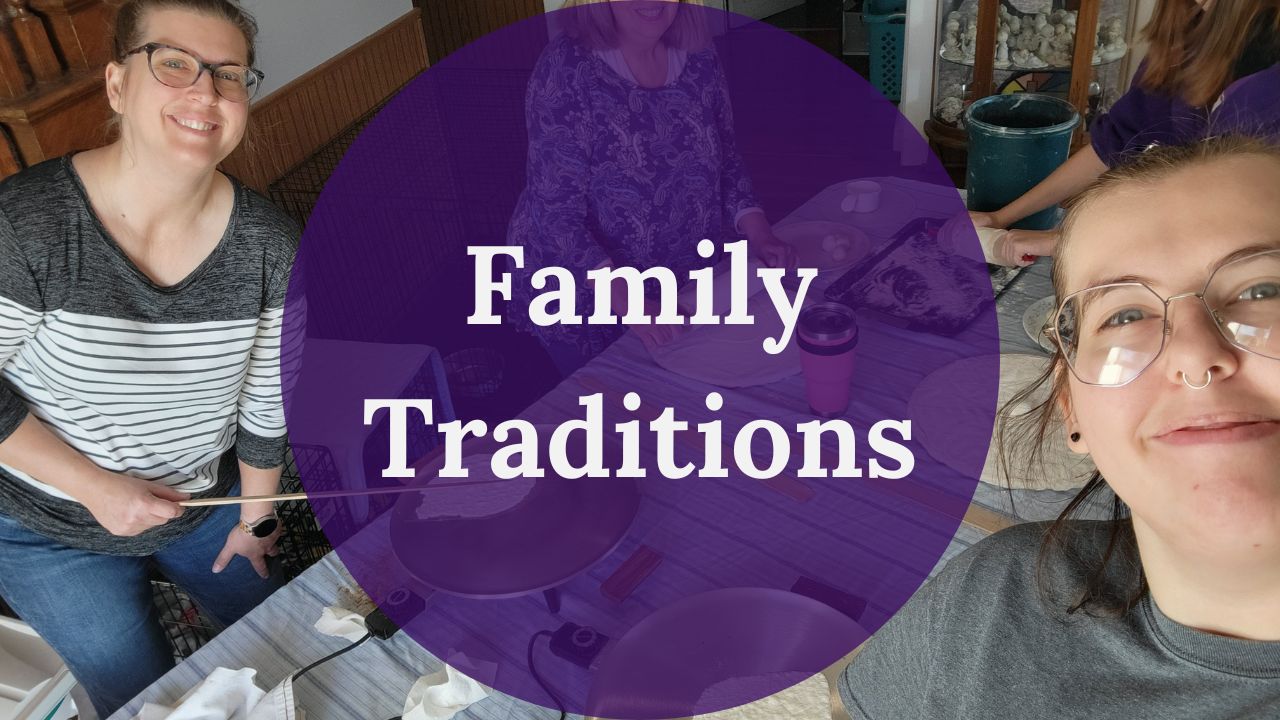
(886, 22)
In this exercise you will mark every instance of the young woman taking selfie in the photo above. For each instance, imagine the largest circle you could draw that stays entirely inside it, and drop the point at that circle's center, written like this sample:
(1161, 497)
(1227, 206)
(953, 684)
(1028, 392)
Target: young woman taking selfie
(1167, 374)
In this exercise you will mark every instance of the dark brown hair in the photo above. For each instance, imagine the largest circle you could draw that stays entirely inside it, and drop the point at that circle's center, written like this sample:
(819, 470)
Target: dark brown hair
(130, 18)
(1113, 581)
(1193, 51)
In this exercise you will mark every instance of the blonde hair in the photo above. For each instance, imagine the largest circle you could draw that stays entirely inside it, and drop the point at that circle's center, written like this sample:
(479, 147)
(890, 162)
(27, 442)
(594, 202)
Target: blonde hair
(592, 25)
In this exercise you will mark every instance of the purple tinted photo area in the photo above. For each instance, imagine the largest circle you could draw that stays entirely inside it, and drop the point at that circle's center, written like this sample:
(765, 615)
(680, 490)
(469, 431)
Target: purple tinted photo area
(739, 587)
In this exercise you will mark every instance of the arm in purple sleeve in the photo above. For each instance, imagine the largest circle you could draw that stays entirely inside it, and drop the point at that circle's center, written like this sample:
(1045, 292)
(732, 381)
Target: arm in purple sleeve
(1139, 118)
(739, 193)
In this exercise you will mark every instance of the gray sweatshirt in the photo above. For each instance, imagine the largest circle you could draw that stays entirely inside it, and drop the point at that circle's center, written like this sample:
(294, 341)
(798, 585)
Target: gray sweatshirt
(978, 642)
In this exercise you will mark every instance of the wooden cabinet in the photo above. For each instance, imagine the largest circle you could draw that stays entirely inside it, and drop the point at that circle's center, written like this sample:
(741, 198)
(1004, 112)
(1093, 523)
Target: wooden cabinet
(52, 101)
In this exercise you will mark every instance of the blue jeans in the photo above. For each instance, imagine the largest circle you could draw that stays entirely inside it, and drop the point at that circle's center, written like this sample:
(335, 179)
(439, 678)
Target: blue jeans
(97, 610)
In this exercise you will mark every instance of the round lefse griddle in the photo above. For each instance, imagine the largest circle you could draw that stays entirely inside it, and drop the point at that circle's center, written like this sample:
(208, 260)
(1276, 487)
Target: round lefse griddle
(719, 648)
(550, 533)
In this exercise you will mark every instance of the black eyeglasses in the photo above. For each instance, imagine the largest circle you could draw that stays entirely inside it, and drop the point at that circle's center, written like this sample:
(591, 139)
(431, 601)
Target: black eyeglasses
(178, 68)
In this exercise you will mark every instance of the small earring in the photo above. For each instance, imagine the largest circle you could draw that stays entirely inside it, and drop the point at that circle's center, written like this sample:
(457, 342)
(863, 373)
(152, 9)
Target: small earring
(1075, 437)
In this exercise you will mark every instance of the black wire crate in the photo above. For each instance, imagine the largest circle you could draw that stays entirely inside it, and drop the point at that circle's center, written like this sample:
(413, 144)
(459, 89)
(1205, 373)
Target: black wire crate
(303, 543)
(187, 628)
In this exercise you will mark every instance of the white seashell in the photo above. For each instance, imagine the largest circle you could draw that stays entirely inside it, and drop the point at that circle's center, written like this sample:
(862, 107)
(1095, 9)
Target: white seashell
(948, 111)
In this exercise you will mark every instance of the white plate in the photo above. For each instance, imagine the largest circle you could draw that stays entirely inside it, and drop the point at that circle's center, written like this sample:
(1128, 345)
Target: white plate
(806, 238)
(732, 356)
(1034, 319)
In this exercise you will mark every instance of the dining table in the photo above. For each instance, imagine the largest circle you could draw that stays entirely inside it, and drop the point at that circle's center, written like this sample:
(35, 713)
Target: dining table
(373, 681)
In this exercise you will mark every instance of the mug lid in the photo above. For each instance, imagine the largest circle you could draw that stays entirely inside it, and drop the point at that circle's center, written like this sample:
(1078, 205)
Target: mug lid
(827, 322)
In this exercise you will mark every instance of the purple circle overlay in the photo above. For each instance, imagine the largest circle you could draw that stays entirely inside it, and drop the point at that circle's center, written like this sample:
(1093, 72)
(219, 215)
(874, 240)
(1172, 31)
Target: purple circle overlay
(636, 597)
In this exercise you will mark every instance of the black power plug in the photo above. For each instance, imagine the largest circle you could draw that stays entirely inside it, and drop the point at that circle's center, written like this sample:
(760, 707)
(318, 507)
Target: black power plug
(578, 644)
(403, 603)
(379, 625)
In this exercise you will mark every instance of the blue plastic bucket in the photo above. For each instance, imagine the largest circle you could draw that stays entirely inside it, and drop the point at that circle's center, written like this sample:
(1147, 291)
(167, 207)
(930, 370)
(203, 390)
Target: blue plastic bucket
(1015, 141)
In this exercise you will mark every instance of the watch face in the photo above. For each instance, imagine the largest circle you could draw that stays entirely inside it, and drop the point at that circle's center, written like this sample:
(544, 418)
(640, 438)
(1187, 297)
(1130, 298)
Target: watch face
(265, 527)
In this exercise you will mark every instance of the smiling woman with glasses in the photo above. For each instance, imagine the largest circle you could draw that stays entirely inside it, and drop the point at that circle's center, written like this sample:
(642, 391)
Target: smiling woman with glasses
(141, 295)
(1167, 373)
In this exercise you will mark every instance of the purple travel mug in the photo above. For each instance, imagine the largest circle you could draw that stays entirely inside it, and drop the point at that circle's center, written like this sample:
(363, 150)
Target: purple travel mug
(827, 334)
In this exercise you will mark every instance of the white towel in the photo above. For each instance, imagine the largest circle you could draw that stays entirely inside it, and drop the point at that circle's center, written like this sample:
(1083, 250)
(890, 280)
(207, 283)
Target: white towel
(228, 695)
(441, 695)
(341, 622)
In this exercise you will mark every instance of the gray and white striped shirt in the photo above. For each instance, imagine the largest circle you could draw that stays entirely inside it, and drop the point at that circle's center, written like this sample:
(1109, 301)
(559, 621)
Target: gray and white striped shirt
(168, 384)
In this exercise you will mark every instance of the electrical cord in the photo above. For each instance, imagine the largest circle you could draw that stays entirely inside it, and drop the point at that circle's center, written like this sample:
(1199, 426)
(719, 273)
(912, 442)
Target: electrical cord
(534, 671)
(331, 656)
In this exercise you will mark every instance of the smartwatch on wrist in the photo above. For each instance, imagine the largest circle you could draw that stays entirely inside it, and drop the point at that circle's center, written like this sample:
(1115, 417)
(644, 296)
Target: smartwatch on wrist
(262, 527)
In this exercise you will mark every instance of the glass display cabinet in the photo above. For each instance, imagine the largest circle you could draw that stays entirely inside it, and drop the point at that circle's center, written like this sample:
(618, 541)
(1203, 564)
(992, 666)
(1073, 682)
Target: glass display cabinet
(1075, 49)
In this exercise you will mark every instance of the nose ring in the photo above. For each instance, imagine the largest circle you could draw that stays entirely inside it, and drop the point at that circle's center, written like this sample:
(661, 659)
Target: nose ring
(1208, 378)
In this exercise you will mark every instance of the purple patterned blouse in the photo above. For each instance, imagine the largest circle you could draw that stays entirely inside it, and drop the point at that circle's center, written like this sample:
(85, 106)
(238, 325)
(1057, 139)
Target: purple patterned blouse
(622, 173)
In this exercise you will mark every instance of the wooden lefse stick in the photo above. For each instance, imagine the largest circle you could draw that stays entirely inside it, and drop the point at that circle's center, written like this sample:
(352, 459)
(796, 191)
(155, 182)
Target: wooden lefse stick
(326, 494)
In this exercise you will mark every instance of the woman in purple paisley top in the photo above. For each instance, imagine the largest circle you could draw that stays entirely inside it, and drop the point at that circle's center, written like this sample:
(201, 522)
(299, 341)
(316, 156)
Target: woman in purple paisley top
(632, 160)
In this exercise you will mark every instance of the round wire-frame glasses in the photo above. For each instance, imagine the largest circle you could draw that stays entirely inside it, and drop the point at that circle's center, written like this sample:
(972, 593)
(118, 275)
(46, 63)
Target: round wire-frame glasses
(1245, 336)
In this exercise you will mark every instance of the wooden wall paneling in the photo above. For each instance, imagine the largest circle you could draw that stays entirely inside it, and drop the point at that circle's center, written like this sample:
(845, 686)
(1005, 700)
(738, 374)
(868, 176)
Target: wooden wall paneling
(450, 24)
(366, 94)
(294, 121)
